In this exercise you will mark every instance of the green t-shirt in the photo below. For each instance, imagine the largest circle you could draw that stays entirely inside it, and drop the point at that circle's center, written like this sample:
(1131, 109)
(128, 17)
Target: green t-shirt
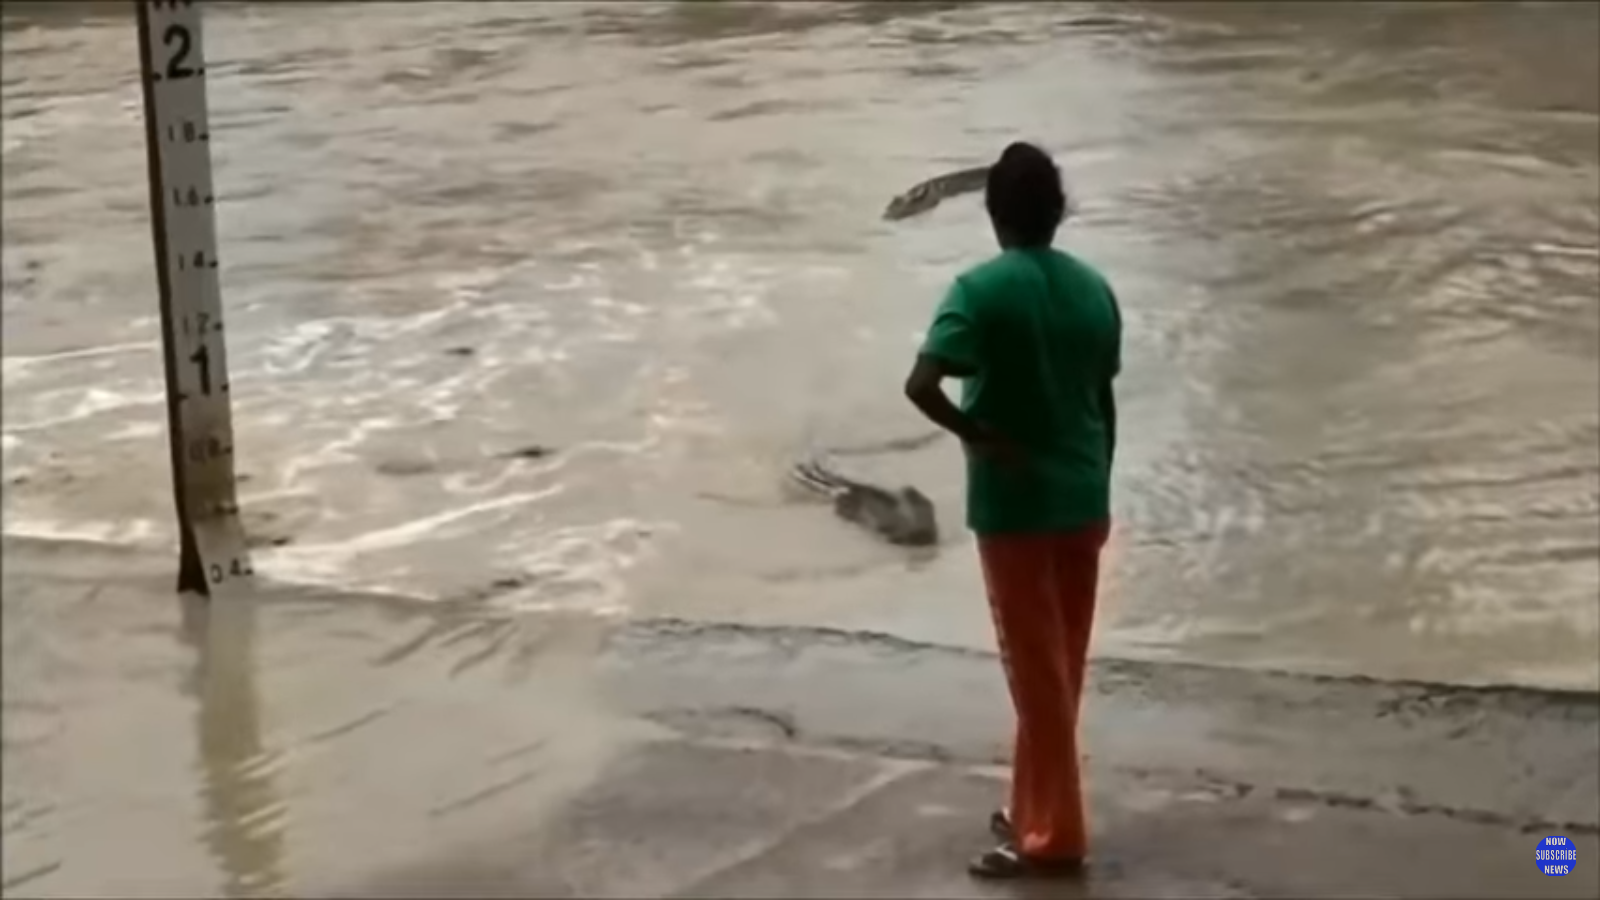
(1041, 333)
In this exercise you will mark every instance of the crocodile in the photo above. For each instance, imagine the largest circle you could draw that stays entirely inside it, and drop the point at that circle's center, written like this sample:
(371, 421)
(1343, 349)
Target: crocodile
(931, 193)
(903, 517)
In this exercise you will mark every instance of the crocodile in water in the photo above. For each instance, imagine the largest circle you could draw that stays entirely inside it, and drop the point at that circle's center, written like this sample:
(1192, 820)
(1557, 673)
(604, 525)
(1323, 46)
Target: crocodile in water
(904, 517)
(932, 192)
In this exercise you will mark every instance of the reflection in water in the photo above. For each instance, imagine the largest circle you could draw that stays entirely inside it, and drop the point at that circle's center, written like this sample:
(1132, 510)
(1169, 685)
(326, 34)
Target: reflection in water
(244, 813)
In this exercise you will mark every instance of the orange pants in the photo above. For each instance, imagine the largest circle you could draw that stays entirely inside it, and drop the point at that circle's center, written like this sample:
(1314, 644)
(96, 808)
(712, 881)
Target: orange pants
(1042, 592)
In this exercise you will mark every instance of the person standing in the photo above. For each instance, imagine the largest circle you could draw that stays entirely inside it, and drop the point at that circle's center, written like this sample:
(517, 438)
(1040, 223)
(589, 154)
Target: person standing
(1035, 336)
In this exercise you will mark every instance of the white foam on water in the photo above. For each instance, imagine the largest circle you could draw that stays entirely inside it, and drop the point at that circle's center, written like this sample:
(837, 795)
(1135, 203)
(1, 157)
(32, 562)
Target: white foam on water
(381, 328)
(581, 568)
(90, 402)
(137, 431)
(731, 291)
(329, 558)
(134, 532)
(443, 398)
(338, 450)
(601, 610)
(587, 565)
(470, 285)
(470, 483)
(296, 349)
(20, 366)
(1567, 250)
(571, 282)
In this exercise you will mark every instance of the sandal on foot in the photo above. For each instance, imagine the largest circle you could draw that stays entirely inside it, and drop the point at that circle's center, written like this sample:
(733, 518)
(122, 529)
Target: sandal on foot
(1000, 826)
(1004, 862)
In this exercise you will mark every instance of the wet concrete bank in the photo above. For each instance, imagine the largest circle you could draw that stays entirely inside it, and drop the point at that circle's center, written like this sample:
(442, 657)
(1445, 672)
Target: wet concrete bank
(310, 743)
(707, 820)
(1507, 755)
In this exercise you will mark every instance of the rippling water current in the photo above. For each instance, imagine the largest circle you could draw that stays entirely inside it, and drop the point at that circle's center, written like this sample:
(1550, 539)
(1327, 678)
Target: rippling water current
(1356, 245)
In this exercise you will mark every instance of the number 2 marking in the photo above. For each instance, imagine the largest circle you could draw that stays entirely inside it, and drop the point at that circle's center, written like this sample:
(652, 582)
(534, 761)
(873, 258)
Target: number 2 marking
(177, 65)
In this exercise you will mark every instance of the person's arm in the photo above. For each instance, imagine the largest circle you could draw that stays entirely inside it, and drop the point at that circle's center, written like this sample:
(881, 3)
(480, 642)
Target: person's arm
(1108, 408)
(952, 350)
(925, 393)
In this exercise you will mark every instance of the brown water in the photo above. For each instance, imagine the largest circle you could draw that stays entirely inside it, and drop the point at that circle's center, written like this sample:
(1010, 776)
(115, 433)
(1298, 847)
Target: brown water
(1356, 244)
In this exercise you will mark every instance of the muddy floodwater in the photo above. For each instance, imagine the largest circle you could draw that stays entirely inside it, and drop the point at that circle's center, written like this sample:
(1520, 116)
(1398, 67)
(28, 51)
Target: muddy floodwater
(1356, 245)
(531, 307)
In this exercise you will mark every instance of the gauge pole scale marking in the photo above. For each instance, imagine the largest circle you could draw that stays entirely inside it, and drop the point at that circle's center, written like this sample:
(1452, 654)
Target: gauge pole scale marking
(213, 554)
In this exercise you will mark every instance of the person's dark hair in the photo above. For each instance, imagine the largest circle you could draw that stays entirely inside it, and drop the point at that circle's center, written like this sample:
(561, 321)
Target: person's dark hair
(1024, 196)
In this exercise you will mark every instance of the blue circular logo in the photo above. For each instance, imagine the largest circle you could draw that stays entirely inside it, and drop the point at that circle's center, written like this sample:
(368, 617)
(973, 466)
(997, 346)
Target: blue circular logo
(1556, 856)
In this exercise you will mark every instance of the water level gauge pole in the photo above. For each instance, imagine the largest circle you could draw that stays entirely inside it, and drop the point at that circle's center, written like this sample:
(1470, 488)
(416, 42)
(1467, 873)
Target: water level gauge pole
(212, 554)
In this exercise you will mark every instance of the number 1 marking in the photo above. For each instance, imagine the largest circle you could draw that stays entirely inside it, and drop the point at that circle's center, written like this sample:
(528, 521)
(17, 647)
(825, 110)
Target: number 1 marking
(202, 360)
